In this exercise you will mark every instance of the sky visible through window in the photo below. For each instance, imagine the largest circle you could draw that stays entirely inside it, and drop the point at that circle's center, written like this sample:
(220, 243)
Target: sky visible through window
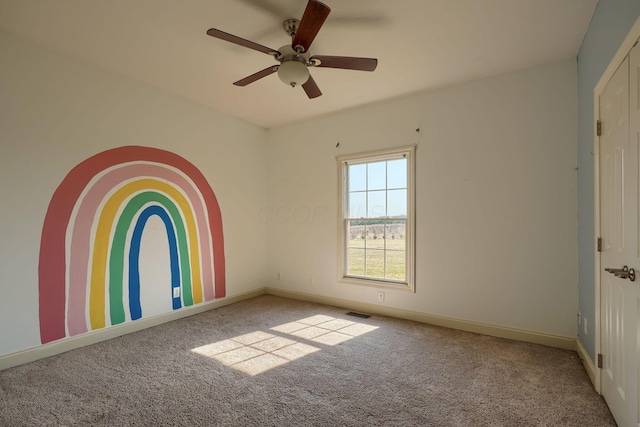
(378, 190)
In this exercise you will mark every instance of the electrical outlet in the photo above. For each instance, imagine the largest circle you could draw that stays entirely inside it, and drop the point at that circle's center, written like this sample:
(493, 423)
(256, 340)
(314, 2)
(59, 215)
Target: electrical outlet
(176, 292)
(584, 325)
(380, 296)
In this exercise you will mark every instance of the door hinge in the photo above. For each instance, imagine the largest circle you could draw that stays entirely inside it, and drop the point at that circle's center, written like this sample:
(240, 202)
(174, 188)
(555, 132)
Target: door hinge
(600, 360)
(599, 128)
(599, 244)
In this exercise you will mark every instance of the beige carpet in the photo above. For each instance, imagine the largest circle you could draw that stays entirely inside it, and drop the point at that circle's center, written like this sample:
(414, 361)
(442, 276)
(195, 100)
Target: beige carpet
(272, 361)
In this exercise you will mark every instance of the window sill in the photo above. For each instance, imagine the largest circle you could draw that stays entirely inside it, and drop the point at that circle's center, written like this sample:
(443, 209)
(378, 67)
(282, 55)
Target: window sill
(401, 286)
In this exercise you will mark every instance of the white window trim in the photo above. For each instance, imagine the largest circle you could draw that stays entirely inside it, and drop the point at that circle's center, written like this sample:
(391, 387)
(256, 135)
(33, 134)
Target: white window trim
(368, 157)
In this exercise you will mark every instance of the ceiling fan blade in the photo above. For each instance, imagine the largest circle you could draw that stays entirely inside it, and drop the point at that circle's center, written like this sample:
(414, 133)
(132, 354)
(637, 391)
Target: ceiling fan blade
(257, 76)
(346, 62)
(240, 41)
(311, 88)
(314, 16)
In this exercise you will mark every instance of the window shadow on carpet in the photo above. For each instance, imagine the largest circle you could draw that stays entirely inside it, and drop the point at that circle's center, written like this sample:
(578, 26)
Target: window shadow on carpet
(260, 351)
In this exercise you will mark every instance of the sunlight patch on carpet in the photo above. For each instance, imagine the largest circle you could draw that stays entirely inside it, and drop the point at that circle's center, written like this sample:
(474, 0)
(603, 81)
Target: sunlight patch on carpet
(260, 351)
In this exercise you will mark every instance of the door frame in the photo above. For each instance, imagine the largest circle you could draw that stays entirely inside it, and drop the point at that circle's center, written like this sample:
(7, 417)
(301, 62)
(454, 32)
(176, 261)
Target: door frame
(622, 52)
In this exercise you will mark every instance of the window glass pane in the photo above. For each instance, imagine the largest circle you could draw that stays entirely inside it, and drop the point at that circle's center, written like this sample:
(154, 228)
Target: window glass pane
(397, 173)
(355, 234)
(357, 205)
(396, 264)
(377, 206)
(358, 177)
(377, 176)
(375, 263)
(355, 262)
(397, 203)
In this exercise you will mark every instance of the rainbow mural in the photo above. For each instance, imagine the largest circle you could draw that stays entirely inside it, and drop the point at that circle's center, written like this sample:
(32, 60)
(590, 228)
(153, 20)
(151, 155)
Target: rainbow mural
(91, 239)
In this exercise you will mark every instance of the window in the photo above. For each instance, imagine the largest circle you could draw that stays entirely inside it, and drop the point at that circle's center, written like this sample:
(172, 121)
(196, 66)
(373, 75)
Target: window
(376, 211)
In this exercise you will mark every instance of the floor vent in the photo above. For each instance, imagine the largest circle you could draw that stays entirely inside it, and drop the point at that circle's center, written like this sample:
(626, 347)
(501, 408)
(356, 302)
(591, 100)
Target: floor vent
(364, 316)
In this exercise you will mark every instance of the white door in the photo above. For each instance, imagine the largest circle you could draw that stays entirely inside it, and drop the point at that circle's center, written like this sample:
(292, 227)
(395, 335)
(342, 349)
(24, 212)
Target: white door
(632, 289)
(619, 186)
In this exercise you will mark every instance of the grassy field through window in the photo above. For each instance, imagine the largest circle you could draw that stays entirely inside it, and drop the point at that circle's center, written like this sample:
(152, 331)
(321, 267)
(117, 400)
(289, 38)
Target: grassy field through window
(366, 257)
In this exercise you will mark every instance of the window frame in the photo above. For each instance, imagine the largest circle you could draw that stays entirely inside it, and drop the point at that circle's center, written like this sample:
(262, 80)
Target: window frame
(343, 162)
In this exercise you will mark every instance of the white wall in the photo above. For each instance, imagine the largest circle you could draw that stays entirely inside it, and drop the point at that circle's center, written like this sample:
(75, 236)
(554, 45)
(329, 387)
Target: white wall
(55, 112)
(496, 199)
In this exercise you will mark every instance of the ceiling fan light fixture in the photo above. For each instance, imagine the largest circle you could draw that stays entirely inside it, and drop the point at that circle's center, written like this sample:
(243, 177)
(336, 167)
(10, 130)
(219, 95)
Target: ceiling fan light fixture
(293, 73)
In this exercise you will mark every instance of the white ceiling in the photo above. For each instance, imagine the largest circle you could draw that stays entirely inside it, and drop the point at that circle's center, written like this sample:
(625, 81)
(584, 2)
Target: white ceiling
(420, 45)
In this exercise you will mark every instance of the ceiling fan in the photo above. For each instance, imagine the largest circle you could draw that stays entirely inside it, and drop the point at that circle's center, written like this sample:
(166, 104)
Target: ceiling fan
(295, 59)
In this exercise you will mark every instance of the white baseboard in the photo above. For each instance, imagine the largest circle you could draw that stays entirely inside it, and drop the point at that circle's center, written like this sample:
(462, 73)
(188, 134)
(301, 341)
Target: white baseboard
(567, 343)
(587, 363)
(66, 344)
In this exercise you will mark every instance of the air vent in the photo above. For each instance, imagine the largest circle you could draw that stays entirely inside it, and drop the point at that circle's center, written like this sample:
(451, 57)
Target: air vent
(363, 316)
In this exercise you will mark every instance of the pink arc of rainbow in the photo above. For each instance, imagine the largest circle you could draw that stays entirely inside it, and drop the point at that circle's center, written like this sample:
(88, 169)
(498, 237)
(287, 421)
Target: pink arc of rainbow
(81, 235)
(52, 261)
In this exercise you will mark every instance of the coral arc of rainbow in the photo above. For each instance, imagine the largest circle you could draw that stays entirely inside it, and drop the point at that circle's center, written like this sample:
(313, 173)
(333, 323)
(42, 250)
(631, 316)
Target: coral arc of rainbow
(105, 196)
